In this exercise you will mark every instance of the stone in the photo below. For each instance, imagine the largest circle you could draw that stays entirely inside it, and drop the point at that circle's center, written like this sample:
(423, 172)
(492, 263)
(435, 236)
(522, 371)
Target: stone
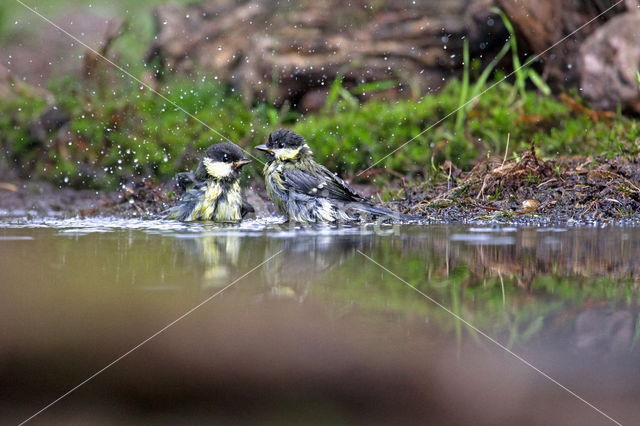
(609, 61)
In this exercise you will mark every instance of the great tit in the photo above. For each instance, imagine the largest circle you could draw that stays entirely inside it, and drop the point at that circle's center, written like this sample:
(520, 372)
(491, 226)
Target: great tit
(213, 192)
(305, 191)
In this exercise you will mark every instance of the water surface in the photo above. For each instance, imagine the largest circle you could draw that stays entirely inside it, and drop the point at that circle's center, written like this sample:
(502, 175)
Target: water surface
(565, 297)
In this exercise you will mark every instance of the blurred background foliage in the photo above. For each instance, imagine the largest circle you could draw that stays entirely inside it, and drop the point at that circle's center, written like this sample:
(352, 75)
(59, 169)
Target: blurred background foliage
(119, 131)
(129, 132)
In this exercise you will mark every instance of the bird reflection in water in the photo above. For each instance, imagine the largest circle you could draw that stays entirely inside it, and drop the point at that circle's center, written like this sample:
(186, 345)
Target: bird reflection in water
(305, 259)
(217, 255)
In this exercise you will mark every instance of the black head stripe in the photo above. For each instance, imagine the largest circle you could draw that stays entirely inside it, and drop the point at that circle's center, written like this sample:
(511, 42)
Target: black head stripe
(285, 138)
(226, 152)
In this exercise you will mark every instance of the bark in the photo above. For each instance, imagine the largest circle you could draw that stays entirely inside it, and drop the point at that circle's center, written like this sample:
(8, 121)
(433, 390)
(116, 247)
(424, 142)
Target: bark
(556, 29)
(293, 54)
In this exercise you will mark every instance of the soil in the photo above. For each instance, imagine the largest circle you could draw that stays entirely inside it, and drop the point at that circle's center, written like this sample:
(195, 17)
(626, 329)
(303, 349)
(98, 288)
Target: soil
(532, 190)
(529, 190)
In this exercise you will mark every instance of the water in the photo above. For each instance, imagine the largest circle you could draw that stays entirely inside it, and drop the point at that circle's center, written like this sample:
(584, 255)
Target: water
(292, 308)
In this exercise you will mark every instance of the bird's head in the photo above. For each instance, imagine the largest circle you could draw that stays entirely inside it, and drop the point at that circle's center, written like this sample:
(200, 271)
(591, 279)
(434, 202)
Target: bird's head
(223, 161)
(285, 145)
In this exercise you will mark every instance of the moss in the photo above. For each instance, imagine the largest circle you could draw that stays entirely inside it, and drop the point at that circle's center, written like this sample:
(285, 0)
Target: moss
(16, 112)
(129, 132)
(124, 133)
(352, 139)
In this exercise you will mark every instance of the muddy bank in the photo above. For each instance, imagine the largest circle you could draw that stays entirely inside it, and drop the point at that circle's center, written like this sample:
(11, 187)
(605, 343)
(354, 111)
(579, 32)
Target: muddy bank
(526, 190)
(24, 198)
(41, 199)
(532, 190)
(146, 199)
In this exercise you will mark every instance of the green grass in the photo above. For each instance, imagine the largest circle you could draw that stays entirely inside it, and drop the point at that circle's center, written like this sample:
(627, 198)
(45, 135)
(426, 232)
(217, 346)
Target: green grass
(115, 136)
(119, 132)
(350, 139)
(126, 133)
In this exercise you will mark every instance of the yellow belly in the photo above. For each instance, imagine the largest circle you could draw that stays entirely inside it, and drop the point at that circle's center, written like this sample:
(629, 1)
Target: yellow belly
(219, 205)
(229, 208)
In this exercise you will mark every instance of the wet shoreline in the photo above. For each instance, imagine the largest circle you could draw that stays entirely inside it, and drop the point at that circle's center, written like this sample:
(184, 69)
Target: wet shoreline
(572, 191)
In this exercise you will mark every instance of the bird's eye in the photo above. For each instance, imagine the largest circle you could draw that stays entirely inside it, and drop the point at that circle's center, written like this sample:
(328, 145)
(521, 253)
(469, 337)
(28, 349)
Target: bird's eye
(281, 145)
(225, 158)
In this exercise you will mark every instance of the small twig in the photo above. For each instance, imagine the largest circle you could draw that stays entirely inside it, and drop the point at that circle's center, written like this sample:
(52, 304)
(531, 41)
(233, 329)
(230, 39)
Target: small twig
(8, 187)
(546, 182)
(593, 115)
(493, 209)
(372, 172)
(506, 151)
(484, 185)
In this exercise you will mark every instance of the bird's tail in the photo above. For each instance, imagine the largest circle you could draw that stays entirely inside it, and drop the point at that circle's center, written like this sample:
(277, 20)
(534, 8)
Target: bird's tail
(386, 213)
(175, 213)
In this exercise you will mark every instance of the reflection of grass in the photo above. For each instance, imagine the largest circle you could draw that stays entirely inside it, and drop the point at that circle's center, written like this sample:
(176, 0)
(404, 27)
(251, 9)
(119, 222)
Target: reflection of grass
(636, 335)
(479, 300)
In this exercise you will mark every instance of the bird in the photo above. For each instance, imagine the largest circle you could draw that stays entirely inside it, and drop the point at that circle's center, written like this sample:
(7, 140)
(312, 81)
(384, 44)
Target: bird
(213, 192)
(307, 192)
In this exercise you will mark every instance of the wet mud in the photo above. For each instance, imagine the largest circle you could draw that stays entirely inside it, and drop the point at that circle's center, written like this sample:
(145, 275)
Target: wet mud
(532, 190)
(527, 190)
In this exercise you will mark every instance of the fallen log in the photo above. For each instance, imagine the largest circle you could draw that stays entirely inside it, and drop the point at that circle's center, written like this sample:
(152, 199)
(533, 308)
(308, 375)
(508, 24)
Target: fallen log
(292, 52)
(280, 54)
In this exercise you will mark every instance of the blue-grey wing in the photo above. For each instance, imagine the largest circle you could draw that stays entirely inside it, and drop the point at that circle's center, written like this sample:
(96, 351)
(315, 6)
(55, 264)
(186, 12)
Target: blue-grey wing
(185, 206)
(320, 183)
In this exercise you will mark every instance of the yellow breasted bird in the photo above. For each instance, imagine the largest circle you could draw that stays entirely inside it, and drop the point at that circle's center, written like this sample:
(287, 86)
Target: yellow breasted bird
(214, 193)
(305, 191)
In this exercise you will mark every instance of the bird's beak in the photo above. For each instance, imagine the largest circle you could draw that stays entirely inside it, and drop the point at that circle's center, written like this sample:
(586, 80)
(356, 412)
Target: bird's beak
(264, 148)
(238, 164)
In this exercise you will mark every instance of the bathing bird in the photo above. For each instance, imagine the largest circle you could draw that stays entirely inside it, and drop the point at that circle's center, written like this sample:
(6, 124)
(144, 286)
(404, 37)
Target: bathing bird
(213, 192)
(305, 191)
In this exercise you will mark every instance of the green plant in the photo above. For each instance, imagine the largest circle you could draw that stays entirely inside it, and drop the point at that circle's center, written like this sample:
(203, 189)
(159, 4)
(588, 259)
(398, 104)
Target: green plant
(464, 89)
(16, 113)
(374, 86)
(469, 95)
(338, 92)
(128, 133)
(523, 72)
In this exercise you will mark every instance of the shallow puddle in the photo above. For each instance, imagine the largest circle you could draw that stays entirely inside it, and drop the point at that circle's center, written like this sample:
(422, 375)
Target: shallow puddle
(78, 293)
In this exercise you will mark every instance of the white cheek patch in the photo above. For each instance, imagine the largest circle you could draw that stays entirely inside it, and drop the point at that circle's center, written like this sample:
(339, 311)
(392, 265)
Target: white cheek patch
(217, 169)
(286, 153)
